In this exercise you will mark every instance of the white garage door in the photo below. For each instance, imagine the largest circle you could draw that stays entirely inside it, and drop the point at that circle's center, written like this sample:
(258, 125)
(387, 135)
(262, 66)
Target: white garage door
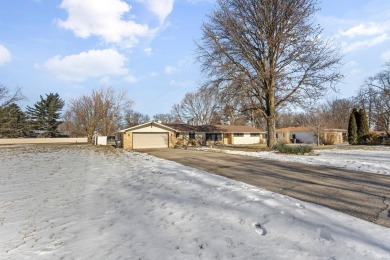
(150, 140)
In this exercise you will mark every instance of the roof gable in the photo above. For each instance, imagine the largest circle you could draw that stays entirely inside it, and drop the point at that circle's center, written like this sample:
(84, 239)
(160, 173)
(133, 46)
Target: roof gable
(145, 125)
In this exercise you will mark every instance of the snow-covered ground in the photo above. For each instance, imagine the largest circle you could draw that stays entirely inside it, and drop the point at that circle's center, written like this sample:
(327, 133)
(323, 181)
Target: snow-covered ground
(371, 159)
(82, 202)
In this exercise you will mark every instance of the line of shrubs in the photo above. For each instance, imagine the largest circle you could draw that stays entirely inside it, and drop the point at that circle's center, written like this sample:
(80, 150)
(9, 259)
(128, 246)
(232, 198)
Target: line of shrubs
(293, 149)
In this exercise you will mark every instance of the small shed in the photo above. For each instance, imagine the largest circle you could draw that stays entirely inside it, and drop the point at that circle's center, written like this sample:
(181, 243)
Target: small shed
(148, 135)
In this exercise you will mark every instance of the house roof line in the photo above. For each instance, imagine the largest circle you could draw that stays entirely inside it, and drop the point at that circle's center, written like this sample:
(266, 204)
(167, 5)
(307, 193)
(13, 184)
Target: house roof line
(201, 128)
(146, 124)
(215, 128)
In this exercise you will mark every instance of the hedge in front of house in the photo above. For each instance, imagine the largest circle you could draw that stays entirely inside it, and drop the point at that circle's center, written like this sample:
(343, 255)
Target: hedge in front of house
(293, 149)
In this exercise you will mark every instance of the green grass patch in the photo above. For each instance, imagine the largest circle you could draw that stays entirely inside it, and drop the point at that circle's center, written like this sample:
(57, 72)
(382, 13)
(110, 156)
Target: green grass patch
(293, 149)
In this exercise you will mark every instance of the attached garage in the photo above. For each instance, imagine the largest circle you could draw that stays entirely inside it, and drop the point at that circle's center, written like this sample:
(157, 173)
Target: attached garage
(146, 136)
(150, 140)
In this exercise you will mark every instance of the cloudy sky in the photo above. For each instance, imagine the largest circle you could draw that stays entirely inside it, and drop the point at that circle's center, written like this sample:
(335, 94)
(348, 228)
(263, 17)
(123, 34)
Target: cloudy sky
(147, 46)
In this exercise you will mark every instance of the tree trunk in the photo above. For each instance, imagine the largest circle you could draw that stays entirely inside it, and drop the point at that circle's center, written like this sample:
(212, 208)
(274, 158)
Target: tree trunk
(271, 122)
(271, 119)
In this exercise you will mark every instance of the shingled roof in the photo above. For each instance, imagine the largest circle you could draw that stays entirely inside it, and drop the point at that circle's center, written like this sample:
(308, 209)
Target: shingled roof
(238, 129)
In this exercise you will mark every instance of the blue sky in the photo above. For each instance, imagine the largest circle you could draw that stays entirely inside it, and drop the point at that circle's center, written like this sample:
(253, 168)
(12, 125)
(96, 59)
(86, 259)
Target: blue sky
(147, 46)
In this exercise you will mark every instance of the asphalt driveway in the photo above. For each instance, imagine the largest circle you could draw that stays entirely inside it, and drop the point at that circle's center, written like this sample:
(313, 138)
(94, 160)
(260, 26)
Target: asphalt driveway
(363, 195)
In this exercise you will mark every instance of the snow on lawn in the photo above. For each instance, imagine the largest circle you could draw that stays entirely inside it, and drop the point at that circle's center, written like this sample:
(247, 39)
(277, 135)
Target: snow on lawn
(367, 160)
(82, 202)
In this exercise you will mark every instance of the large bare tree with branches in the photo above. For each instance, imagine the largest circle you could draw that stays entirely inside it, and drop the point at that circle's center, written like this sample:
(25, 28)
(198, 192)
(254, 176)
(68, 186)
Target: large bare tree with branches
(101, 111)
(201, 107)
(374, 97)
(271, 51)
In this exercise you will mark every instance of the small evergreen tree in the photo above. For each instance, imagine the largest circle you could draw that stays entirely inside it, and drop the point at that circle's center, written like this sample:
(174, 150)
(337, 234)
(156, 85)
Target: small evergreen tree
(362, 127)
(12, 121)
(352, 128)
(45, 114)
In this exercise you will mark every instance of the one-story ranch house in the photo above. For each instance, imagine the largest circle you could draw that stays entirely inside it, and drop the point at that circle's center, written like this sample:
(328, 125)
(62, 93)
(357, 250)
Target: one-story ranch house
(306, 134)
(158, 135)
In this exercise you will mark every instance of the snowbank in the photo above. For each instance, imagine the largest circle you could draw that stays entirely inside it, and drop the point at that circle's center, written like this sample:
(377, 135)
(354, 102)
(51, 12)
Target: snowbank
(82, 202)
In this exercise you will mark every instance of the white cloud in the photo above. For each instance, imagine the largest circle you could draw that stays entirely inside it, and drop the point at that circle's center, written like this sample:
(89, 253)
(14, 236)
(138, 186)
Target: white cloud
(185, 62)
(104, 19)
(170, 70)
(5, 55)
(91, 64)
(366, 30)
(161, 8)
(148, 51)
(362, 35)
(349, 47)
(386, 56)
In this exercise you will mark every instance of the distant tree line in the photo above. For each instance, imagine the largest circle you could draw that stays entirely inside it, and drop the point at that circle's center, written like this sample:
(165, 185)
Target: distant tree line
(106, 110)
(40, 120)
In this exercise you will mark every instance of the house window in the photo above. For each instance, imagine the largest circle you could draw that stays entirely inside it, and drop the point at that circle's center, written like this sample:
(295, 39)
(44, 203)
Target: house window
(177, 135)
(191, 136)
(255, 135)
(265, 136)
(238, 135)
(277, 135)
(213, 137)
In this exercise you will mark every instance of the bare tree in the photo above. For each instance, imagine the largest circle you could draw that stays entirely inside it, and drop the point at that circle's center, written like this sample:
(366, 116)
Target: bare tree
(365, 98)
(233, 114)
(133, 118)
(165, 118)
(290, 119)
(337, 112)
(375, 93)
(381, 115)
(198, 107)
(101, 111)
(333, 114)
(270, 51)
(381, 80)
(7, 98)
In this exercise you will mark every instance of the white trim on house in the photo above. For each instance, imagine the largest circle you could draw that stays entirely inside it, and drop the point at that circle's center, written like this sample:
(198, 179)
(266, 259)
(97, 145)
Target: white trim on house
(134, 128)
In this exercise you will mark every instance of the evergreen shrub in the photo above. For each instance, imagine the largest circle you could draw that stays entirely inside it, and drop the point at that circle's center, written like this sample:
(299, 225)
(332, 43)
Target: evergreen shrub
(293, 149)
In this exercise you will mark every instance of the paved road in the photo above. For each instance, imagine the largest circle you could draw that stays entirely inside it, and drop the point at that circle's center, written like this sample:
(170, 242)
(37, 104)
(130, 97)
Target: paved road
(363, 195)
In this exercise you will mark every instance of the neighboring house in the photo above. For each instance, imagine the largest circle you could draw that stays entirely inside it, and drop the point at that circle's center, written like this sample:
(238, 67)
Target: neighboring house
(306, 134)
(158, 135)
